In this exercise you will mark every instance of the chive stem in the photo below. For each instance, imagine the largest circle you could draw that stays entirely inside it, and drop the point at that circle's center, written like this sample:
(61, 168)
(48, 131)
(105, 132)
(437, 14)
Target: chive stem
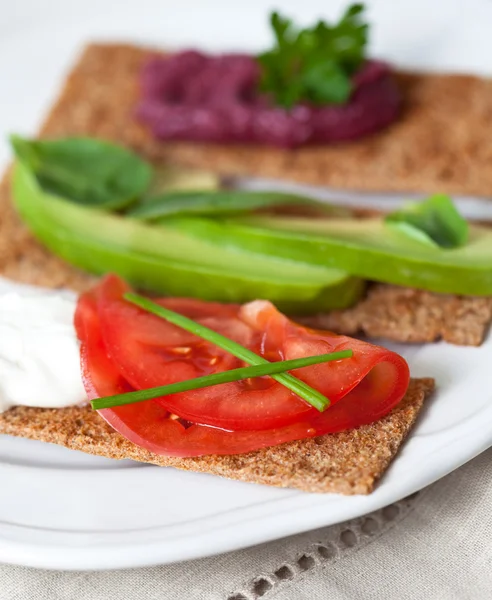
(301, 389)
(216, 379)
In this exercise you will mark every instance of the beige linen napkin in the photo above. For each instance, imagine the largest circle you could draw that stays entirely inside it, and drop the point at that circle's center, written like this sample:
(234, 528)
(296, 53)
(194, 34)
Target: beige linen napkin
(436, 545)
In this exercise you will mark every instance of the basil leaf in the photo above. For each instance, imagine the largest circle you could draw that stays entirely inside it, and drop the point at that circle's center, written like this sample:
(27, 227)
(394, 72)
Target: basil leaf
(87, 171)
(212, 202)
(434, 221)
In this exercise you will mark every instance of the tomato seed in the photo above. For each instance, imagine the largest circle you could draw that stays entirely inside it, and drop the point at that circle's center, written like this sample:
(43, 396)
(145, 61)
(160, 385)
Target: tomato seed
(182, 350)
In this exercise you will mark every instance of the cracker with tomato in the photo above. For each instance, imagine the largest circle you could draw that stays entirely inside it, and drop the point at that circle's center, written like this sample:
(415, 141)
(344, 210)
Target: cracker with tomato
(254, 430)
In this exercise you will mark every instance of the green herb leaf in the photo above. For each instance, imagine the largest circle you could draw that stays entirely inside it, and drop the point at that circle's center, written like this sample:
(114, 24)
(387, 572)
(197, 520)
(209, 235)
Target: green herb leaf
(326, 83)
(435, 221)
(303, 390)
(213, 202)
(314, 64)
(217, 379)
(87, 171)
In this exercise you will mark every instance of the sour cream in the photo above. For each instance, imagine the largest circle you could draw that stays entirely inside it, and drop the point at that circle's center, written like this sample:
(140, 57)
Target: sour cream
(39, 351)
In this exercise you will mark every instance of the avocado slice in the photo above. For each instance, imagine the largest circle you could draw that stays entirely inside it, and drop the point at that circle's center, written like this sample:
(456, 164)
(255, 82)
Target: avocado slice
(165, 260)
(173, 178)
(366, 248)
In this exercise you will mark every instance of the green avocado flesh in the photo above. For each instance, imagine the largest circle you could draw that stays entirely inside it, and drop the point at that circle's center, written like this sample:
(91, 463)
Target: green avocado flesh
(363, 247)
(165, 260)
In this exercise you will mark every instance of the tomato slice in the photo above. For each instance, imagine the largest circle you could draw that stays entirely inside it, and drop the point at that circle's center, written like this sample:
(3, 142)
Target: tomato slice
(150, 352)
(151, 426)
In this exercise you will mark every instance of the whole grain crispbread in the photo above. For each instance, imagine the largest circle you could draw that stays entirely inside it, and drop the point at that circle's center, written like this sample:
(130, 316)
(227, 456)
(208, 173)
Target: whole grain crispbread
(409, 315)
(350, 462)
(441, 142)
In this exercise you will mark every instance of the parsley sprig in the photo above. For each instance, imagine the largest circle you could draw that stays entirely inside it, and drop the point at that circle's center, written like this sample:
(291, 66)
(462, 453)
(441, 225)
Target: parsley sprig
(314, 64)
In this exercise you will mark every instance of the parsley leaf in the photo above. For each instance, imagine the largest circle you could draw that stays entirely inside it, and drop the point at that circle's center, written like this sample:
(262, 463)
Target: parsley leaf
(314, 64)
(434, 221)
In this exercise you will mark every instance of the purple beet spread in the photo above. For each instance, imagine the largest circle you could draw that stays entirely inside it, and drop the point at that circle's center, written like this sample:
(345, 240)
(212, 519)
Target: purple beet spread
(193, 96)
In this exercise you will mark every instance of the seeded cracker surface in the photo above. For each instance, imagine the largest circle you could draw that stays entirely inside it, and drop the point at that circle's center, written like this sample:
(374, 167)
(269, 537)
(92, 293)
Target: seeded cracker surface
(409, 315)
(97, 100)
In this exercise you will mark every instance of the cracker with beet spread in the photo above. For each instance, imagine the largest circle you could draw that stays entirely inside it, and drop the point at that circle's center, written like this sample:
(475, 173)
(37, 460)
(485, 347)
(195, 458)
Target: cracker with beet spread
(419, 152)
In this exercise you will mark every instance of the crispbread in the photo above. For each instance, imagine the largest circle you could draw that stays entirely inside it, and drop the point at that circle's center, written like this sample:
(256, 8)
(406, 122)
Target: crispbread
(350, 462)
(441, 143)
(409, 315)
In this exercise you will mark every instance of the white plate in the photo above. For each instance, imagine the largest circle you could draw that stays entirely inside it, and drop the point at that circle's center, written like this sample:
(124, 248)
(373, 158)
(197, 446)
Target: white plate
(61, 509)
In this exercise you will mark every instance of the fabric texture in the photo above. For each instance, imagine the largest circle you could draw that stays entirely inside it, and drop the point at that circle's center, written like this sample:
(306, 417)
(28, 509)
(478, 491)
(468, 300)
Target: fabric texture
(435, 545)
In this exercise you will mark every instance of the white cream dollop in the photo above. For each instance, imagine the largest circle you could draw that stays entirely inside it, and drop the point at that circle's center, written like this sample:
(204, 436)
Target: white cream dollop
(39, 351)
